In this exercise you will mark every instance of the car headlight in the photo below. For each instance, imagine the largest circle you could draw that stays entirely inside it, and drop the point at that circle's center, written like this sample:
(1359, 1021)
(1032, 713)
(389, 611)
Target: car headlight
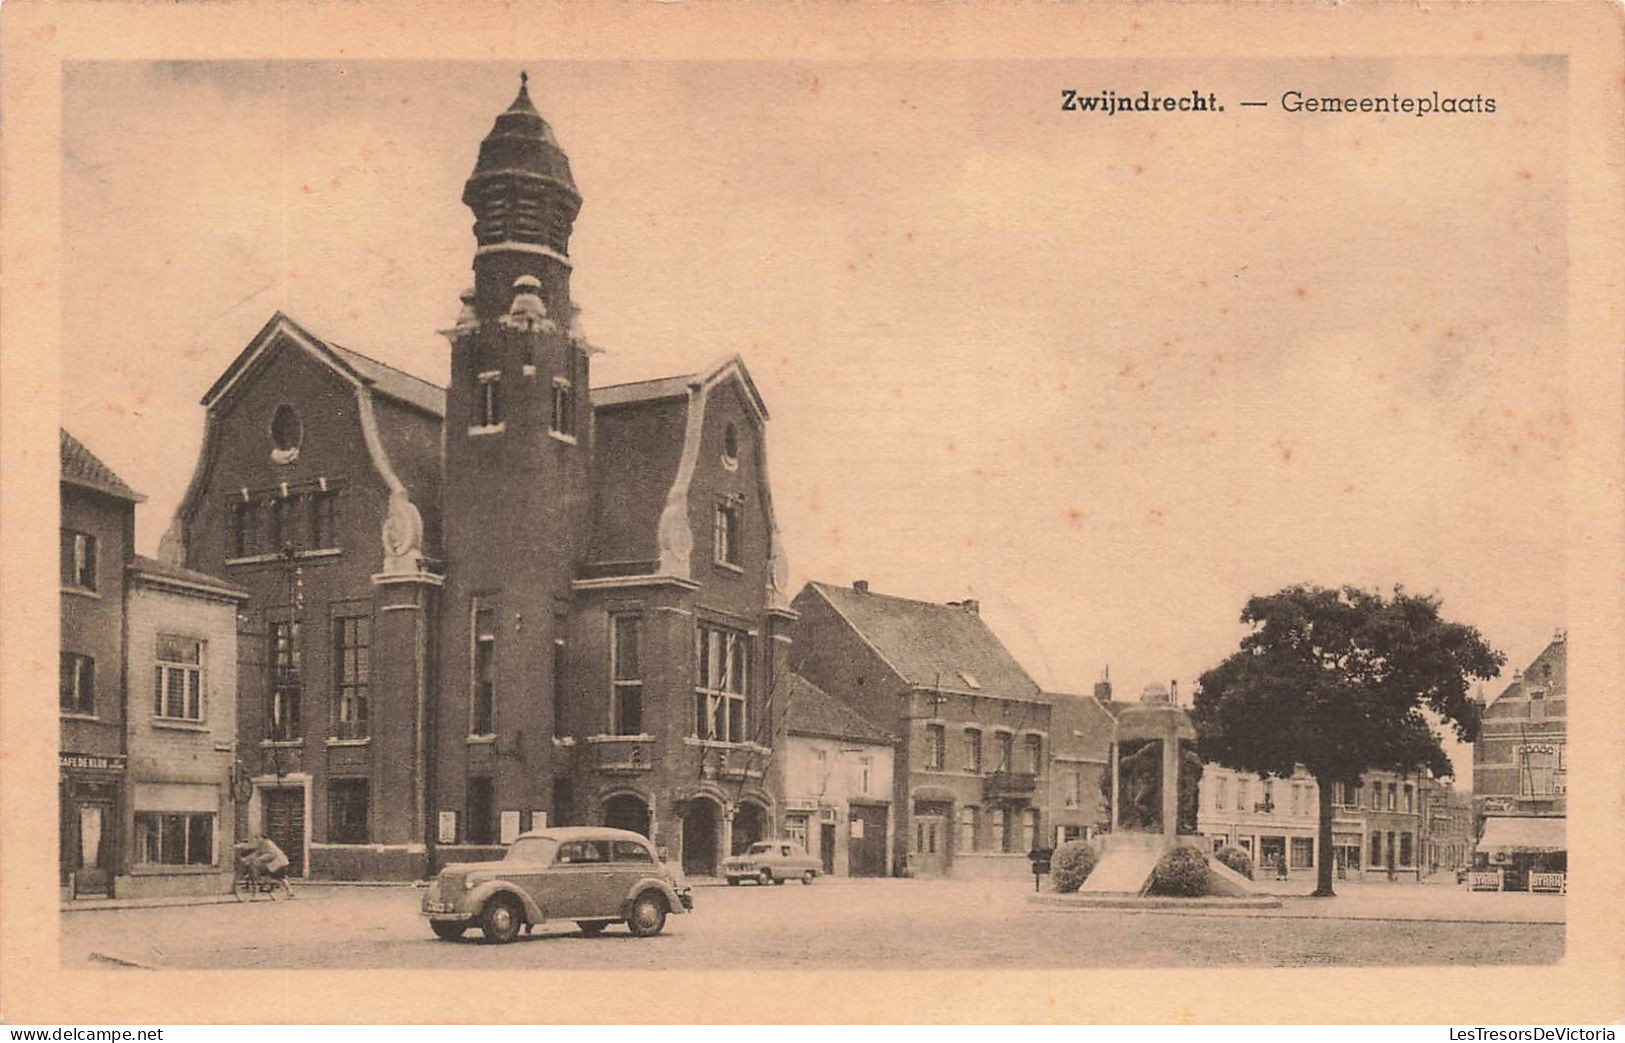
(468, 883)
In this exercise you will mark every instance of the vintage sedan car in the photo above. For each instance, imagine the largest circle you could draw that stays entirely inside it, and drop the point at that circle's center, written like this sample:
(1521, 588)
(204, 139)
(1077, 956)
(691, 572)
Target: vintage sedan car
(593, 876)
(772, 862)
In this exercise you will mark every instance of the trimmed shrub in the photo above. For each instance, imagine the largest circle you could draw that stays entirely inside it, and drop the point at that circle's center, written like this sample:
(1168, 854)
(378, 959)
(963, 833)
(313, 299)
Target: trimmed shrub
(1071, 865)
(1236, 859)
(1182, 872)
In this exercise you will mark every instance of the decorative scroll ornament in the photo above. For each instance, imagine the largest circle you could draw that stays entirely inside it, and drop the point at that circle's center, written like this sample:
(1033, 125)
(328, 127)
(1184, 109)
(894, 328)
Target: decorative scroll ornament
(403, 535)
(527, 313)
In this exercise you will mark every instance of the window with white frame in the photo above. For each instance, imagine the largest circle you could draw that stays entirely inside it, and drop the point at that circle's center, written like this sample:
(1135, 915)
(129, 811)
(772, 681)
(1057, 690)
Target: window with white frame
(935, 741)
(1243, 786)
(997, 827)
(562, 420)
(1029, 829)
(1007, 752)
(165, 838)
(865, 774)
(722, 662)
(488, 401)
(967, 828)
(1074, 788)
(177, 692)
(726, 549)
(626, 675)
(352, 669)
(1221, 793)
(78, 683)
(1537, 770)
(1410, 799)
(78, 560)
(973, 751)
(1035, 755)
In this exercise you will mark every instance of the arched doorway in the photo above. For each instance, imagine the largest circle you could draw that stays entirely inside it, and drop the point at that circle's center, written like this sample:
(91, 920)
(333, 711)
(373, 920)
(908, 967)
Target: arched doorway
(750, 825)
(627, 811)
(700, 818)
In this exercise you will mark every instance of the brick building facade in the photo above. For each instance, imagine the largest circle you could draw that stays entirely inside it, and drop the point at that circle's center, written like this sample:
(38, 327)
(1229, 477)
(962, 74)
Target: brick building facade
(972, 729)
(513, 601)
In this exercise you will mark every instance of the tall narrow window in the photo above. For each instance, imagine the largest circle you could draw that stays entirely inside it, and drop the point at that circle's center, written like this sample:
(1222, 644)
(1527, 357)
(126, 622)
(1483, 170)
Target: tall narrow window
(1029, 829)
(997, 826)
(1035, 755)
(1393, 797)
(323, 520)
(967, 828)
(1243, 788)
(973, 751)
(563, 419)
(865, 768)
(285, 532)
(626, 674)
(1221, 793)
(347, 807)
(934, 743)
(177, 692)
(482, 718)
(722, 660)
(245, 528)
(481, 810)
(1007, 752)
(727, 549)
(78, 683)
(352, 666)
(488, 401)
(78, 560)
(559, 650)
(1410, 800)
(285, 683)
(1074, 788)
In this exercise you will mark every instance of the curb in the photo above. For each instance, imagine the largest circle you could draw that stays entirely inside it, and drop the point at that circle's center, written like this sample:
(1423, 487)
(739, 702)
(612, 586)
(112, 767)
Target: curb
(180, 901)
(1152, 903)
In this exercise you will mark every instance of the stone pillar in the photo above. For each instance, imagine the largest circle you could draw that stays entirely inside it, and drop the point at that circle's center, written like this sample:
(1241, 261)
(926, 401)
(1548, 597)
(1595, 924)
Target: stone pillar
(1170, 786)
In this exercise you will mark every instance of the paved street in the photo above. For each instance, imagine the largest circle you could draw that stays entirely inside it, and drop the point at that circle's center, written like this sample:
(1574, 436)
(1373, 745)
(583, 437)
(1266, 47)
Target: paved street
(892, 924)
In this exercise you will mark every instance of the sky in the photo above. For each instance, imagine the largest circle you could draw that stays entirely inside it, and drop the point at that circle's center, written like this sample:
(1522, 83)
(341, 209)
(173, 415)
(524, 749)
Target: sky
(1108, 376)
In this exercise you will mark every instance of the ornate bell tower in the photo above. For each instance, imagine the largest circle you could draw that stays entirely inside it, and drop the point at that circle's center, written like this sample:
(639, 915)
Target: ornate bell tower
(516, 497)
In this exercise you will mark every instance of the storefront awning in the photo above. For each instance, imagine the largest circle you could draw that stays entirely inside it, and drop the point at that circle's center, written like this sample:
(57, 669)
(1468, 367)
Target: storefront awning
(1523, 834)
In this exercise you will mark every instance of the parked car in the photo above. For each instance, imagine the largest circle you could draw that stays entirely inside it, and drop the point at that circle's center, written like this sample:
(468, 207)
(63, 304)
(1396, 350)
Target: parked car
(593, 876)
(772, 862)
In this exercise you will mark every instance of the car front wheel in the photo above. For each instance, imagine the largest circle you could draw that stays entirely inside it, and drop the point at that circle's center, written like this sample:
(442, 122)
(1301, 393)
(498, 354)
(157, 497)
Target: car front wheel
(648, 914)
(808, 877)
(447, 931)
(501, 919)
(766, 877)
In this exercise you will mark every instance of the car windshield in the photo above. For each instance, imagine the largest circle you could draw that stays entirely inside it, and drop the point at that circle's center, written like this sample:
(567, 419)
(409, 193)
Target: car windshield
(531, 849)
(761, 849)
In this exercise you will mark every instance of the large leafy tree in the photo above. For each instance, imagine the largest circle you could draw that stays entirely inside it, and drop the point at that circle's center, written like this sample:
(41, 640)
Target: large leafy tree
(1340, 681)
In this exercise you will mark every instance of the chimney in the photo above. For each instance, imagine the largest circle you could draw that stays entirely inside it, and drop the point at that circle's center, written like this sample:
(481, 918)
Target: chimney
(1173, 691)
(861, 586)
(1103, 687)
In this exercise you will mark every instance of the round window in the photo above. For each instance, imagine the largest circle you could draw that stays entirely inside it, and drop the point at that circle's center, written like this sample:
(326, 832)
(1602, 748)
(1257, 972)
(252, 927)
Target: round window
(730, 445)
(286, 429)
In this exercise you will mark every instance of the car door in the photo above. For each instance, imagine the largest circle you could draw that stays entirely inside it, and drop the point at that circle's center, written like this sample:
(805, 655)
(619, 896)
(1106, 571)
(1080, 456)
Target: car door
(632, 862)
(578, 885)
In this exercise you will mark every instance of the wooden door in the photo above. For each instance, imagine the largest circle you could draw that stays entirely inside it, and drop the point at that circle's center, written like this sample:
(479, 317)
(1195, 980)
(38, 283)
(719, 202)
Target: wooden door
(285, 825)
(930, 845)
(826, 846)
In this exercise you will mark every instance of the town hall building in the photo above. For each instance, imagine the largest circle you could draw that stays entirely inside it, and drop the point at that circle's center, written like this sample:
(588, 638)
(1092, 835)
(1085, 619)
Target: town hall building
(513, 601)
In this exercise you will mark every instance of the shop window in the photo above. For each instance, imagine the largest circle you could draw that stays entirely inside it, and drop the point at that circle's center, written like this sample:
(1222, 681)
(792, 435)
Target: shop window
(352, 667)
(177, 692)
(1404, 849)
(1303, 853)
(722, 660)
(78, 560)
(77, 691)
(170, 839)
(347, 808)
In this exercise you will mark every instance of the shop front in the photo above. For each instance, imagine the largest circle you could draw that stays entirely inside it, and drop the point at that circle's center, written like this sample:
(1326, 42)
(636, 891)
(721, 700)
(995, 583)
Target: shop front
(1521, 847)
(91, 789)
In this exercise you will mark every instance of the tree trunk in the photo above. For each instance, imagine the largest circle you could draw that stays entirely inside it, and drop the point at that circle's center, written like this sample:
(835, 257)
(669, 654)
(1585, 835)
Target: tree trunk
(1323, 880)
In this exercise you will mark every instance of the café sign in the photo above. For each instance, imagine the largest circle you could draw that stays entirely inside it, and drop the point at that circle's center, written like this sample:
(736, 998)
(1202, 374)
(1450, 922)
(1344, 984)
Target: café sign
(93, 761)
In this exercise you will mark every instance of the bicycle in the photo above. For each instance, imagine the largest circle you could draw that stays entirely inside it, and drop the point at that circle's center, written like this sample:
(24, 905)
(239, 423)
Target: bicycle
(247, 885)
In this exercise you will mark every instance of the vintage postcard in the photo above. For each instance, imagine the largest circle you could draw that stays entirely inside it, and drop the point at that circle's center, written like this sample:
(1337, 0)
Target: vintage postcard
(979, 512)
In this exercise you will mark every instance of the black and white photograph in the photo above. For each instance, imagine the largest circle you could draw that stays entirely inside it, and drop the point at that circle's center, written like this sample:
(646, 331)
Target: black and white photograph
(822, 511)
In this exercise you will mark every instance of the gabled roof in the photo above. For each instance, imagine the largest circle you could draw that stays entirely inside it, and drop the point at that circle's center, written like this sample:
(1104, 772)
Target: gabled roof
(352, 365)
(661, 389)
(143, 567)
(1080, 724)
(81, 467)
(812, 711)
(932, 645)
